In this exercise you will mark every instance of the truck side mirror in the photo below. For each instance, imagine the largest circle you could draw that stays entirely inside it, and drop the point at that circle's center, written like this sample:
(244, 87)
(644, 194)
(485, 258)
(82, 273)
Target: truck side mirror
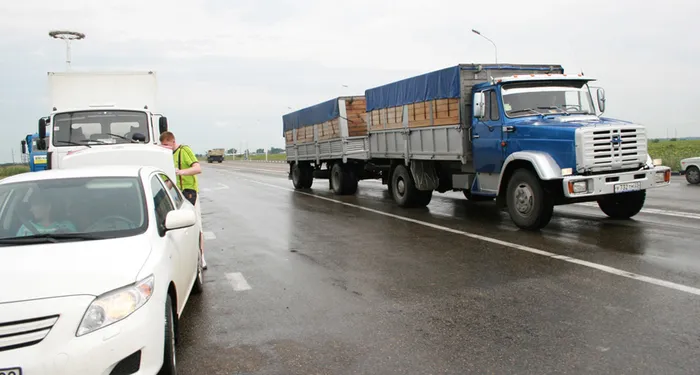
(163, 124)
(24, 146)
(479, 105)
(42, 128)
(601, 100)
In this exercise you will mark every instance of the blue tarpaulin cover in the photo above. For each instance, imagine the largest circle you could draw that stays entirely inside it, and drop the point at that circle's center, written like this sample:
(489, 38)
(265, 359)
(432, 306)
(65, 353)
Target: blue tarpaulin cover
(315, 114)
(440, 84)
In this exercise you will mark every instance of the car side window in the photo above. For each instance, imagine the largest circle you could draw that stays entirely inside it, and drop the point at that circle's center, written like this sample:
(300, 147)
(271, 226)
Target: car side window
(172, 189)
(161, 201)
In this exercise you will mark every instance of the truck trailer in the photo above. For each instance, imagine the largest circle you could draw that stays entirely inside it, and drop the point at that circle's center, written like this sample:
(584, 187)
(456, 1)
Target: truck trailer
(97, 109)
(525, 135)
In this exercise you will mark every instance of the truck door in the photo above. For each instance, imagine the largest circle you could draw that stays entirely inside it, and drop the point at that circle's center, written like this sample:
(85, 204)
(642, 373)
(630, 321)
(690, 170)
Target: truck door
(487, 137)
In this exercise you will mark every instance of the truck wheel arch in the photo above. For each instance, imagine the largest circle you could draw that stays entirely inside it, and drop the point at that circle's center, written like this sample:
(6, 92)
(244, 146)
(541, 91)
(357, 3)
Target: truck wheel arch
(541, 163)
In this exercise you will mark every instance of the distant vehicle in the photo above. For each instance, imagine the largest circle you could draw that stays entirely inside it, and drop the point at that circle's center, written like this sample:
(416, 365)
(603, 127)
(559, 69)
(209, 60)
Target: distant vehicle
(527, 136)
(690, 167)
(35, 149)
(97, 109)
(103, 264)
(216, 154)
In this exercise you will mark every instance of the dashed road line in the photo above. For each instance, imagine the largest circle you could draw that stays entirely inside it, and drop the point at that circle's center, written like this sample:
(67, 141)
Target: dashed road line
(238, 282)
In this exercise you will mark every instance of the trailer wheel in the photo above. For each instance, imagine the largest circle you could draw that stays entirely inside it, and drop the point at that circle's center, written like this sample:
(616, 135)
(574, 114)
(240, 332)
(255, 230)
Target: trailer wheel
(623, 206)
(343, 179)
(302, 176)
(529, 205)
(403, 189)
(692, 175)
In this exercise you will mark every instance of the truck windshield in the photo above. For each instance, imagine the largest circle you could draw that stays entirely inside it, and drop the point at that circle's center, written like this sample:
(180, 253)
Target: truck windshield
(530, 98)
(85, 208)
(98, 127)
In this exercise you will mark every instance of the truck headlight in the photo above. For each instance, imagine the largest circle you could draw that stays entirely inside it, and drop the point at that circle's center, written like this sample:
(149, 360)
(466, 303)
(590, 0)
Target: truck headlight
(578, 187)
(116, 305)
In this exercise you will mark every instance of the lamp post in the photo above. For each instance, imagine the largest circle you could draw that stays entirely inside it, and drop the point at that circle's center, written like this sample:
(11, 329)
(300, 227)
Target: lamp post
(67, 36)
(494, 44)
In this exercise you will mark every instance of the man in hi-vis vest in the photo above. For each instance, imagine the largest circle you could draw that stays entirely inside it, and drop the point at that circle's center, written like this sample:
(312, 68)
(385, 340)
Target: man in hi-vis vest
(186, 168)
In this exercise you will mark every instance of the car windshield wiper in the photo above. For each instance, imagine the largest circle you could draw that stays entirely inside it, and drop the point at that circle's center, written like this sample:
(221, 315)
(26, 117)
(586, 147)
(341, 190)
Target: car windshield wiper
(48, 238)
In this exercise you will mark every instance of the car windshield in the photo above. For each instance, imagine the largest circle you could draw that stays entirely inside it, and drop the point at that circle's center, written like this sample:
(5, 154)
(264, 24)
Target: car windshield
(545, 98)
(75, 208)
(98, 127)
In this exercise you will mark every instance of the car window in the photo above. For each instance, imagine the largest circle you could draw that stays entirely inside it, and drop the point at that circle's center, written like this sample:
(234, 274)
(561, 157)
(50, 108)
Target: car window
(161, 201)
(106, 207)
(175, 194)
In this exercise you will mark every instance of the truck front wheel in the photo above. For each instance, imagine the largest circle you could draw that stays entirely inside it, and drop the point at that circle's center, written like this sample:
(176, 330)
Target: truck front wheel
(623, 206)
(692, 175)
(529, 205)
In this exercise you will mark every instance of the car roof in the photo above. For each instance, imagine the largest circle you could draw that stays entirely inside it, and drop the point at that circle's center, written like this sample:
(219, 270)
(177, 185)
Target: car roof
(102, 171)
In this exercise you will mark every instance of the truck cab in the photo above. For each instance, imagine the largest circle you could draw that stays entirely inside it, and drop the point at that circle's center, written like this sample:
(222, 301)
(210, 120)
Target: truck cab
(35, 152)
(97, 126)
(546, 128)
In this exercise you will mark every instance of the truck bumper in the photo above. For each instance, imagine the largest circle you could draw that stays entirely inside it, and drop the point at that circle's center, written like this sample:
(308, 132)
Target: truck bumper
(615, 183)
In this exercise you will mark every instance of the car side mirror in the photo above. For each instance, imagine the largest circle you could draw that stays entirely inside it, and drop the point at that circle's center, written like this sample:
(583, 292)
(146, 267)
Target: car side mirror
(178, 219)
(479, 105)
(163, 124)
(601, 100)
(42, 128)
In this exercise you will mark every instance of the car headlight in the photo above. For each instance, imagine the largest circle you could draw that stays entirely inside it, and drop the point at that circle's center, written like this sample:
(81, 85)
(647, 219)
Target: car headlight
(116, 305)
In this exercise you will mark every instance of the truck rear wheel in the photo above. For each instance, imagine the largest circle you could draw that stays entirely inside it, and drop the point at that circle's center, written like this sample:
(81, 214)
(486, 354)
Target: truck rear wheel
(623, 206)
(403, 189)
(343, 179)
(692, 175)
(529, 205)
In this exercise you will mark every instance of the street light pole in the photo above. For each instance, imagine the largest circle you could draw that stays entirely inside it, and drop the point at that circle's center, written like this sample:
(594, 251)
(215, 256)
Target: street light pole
(494, 44)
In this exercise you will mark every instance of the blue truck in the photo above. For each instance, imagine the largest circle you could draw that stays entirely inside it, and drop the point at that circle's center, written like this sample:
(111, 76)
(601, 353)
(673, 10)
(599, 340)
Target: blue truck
(527, 136)
(36, 153)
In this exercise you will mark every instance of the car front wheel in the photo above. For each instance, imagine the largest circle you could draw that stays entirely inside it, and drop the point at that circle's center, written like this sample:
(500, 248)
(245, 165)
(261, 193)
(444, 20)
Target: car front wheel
(169, 359)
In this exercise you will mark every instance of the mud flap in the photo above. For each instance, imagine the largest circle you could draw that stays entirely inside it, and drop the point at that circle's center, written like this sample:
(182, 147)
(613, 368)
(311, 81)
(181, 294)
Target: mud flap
(424, 175)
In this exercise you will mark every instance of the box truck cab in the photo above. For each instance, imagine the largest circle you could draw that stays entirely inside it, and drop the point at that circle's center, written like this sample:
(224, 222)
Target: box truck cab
(35, 153)
(94, 109)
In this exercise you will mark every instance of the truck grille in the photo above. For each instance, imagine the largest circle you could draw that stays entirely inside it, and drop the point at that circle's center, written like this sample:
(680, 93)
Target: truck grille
(610, 148)
(19, 334)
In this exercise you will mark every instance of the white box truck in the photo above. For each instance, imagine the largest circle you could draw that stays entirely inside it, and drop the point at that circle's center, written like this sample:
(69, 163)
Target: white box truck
(96, 109)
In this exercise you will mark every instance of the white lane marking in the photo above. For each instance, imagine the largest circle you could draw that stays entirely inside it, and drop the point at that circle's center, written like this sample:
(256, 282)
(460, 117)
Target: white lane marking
(685, 215)
(209, 236)
(600, 267)
(238, 281)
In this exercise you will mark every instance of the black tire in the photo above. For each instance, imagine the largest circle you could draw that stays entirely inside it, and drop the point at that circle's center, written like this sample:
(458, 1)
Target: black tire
(475, 197)
(307, 175)
(221, 161)
(302, 176)
(623, 206)
(530, 207)
(343, 179)
(169, 358)
(692, 175)
(403, 189)
(198, 287)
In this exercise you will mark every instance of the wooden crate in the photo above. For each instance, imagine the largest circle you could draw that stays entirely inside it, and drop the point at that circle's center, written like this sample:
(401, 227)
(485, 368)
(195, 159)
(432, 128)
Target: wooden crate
(356, 116)
(444, 112)
(289, 137)
(356, 119)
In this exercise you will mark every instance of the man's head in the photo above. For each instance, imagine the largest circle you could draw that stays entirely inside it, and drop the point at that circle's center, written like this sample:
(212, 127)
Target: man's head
(40, 206)
(167, 139)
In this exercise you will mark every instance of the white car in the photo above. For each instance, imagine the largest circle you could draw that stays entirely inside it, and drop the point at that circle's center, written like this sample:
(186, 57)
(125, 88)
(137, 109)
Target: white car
(690, 167)
(98, 265)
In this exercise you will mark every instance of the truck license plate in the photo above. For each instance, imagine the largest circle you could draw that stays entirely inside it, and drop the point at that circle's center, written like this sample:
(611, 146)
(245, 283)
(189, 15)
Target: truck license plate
(630, 186)
(11, 371)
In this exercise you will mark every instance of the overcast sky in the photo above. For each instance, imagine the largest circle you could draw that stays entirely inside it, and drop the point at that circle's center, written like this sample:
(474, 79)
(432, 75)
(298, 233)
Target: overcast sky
(228, 69)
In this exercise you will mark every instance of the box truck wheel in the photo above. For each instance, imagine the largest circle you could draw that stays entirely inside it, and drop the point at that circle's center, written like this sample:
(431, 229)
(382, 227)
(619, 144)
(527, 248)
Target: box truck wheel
(623, 206)
(403, 189)
(529, 205)
(343, 179)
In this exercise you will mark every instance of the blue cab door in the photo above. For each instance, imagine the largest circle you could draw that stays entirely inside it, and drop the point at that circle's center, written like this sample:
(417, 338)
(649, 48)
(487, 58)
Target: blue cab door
(487, 137)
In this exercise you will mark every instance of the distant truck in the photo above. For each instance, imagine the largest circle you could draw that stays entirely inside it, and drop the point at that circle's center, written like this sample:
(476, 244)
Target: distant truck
(97, 109)
(216, 154)
(527, 136)
(36, 155)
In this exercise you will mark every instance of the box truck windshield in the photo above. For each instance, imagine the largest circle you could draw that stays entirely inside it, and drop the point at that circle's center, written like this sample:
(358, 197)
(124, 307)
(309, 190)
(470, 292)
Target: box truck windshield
(99, 127)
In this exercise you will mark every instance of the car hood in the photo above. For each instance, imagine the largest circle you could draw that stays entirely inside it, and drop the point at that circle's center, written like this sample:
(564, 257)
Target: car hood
(574, 121)
(70, 268)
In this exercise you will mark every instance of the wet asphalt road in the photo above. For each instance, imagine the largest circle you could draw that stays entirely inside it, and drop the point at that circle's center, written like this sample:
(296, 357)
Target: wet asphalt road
(299, 284)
